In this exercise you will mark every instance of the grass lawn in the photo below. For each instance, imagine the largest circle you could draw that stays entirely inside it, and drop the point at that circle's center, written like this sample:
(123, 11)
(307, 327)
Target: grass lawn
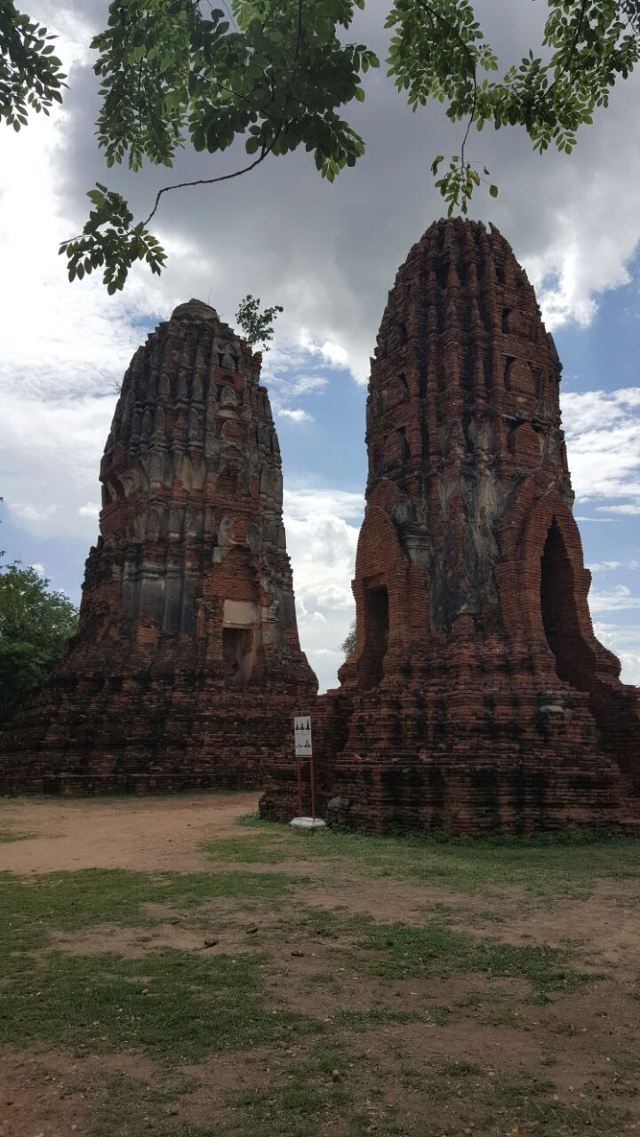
(322, 984)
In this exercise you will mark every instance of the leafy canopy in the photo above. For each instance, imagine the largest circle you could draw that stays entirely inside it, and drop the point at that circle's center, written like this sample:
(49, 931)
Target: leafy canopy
(257, 326)
(348, 645)
(31, 75)
(277, 74)
(35, 624)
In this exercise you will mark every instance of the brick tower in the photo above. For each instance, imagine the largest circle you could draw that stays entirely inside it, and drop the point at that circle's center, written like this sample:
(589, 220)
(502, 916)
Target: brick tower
(186, 669)
(477, 697)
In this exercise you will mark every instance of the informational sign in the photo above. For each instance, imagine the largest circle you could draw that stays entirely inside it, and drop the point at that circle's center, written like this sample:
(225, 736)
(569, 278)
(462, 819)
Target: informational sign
(302, 735)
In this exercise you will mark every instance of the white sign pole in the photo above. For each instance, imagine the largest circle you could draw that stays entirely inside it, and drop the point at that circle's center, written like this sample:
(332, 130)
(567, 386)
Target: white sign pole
(304, 749)
(302, 736)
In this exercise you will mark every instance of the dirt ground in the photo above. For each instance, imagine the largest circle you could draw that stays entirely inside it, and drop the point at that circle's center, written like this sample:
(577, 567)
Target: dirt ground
(144, 834)
(418, 1053)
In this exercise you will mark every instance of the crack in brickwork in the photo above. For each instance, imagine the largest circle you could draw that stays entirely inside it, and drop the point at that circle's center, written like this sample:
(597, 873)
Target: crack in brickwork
(186, 669)
(477, 697)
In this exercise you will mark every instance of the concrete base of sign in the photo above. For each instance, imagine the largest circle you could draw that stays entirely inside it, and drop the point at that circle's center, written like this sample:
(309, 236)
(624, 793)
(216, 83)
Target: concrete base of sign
(307, 823)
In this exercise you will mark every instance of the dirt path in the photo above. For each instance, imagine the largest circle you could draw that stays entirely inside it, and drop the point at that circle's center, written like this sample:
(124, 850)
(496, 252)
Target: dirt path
(144, 834)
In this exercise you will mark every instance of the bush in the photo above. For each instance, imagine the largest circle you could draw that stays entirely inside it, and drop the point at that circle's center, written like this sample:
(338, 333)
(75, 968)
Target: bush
(35, 624)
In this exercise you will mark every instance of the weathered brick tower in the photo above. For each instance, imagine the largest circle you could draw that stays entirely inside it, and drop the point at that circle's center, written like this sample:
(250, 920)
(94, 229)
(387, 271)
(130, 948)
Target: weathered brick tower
(186, 669)
(477, 697)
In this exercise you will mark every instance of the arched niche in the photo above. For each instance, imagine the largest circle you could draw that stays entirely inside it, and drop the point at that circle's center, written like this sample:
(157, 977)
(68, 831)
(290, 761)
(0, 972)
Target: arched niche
(575, 661)
(518, 377)
(524, 444)
(376, 632)
(381, 591)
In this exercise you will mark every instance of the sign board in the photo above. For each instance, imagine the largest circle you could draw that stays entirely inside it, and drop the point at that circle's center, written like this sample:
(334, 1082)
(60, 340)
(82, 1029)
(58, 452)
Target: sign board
(302, 735)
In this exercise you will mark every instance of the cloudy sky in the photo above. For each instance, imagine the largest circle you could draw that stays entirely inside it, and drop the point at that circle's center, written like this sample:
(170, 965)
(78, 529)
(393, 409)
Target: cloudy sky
(329, 255)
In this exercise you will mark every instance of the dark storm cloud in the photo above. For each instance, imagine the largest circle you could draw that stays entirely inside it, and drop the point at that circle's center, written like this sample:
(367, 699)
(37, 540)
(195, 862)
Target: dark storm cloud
(329, 253)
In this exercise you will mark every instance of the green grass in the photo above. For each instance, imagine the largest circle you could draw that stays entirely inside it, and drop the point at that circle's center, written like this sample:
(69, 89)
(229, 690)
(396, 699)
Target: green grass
(70, 901)
(358, 998)
(405, 952)
(169, 1003)
(440, 1099)
(303, 1097)
(509, 1103)
(432, 1099)
(129, 1107)
(174, 1005)
(7, 836)
(568, 864)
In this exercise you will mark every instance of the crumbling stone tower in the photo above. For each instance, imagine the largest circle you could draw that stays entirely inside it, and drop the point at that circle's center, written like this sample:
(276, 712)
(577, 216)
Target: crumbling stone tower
(186, 669)
(477, 697)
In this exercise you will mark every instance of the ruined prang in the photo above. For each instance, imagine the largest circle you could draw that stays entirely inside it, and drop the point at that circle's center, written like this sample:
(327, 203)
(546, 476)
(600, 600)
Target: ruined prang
(186, 669)
(477, 697)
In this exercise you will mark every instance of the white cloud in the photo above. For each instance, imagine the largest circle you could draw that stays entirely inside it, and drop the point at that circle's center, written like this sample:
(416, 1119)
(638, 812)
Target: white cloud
(604, 566)
(585, 411)
(333, 353)
(308, 385)
(603, 443)
(612, 566)
(618, 598)
(281, 371)
(303, 504)
(25, 511)
(328, 253)
(322, 534)
(90, 509)
(630, 661)
(39, 569)
(623, 641)
(51, 451)
(629, 510)
(295, 414)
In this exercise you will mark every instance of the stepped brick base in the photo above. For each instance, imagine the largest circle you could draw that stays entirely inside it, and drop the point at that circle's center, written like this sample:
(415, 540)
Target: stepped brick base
(157, 741)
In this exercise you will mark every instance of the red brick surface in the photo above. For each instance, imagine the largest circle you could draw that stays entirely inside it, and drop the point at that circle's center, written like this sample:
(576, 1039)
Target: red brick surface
(477, 697)
(150, 695)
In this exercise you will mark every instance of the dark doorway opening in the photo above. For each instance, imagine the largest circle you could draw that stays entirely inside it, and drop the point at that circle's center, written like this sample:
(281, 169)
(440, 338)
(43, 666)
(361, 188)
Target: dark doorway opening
(237, 654)
(574, 660)
(376, 635)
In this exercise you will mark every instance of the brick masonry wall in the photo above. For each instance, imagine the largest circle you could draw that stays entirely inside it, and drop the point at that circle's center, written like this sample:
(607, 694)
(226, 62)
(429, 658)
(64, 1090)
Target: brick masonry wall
(187, 668)
(477, 696)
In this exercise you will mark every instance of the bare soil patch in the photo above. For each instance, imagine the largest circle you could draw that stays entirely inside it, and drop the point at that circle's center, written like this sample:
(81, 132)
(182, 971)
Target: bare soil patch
(144, 834)
(438, 1052)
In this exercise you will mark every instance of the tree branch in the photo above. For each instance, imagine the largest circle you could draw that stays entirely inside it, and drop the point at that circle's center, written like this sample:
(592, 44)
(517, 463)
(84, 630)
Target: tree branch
(435, 15)
(209, 181)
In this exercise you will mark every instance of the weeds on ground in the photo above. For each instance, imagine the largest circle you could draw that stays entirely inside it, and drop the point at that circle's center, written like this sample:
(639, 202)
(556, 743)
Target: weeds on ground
(404, 951)
(174, 1005)
(180, 1007)
(564, 864)
(433, 1098)
(70, 901)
